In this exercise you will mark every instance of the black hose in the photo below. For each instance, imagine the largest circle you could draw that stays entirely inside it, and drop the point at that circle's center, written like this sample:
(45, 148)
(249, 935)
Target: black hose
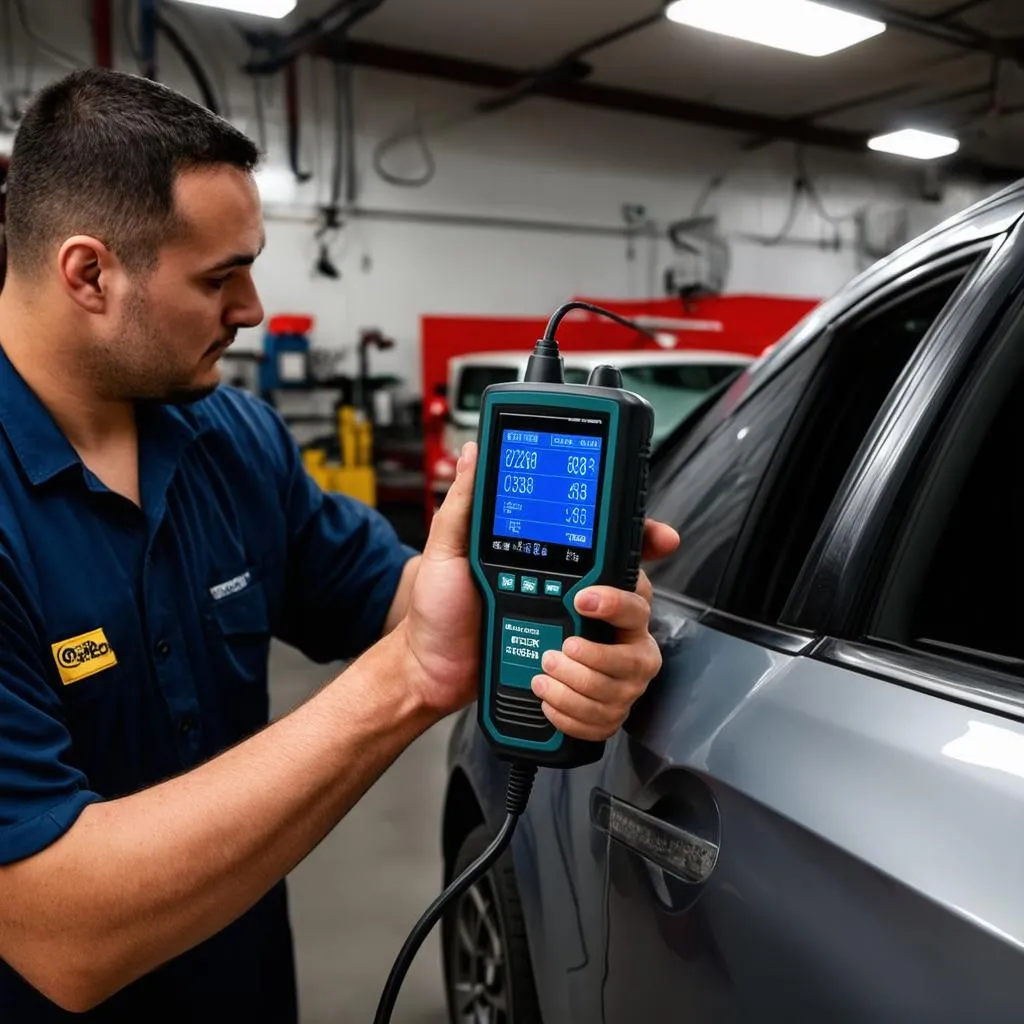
(291, 79)
(333, 23)
(349, 129)
(338, 169)
(520, 783)
(190, 60)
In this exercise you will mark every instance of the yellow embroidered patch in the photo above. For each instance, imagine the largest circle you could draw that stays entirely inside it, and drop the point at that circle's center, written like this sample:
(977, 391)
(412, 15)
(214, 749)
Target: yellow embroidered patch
(83, 656)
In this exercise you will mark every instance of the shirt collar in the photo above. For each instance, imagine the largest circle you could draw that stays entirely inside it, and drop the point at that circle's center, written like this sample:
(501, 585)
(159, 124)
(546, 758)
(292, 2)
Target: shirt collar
(38, 443)
(44, 451)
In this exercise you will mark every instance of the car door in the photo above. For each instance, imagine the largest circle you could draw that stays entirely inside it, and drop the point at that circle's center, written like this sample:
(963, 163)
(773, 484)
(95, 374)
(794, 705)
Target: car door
(798, 810)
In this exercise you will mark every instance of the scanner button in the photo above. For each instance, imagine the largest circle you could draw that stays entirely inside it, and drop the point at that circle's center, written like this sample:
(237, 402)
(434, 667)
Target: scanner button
(506, 581)
(528, 584)
(552, 588)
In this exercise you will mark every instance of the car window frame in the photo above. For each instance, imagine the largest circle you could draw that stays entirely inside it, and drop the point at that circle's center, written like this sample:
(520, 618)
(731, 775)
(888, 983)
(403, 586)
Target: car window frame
(994, 249)
(830, 588)
(843, 587)
(966, 258)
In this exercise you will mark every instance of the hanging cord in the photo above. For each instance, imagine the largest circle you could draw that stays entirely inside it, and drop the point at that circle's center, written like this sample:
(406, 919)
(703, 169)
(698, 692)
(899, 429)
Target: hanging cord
(62, 57)
(567, 67)
(9, 44)
(517, 794)
(261, 113)
(191, 62)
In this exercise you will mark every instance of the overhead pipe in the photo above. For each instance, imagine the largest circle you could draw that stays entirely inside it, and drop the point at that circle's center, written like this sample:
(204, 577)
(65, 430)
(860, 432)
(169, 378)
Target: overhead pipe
(475, 73)
(102, 34)
(147, 38)
(291, 84)
(958, 10)
(952, 33)
(336, 21)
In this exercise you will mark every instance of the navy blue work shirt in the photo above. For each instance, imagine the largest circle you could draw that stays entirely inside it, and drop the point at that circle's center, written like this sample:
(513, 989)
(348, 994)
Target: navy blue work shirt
(134, 644)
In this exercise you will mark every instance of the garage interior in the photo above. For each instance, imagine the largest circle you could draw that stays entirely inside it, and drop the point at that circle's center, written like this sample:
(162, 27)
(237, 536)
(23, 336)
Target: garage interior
(438, 177)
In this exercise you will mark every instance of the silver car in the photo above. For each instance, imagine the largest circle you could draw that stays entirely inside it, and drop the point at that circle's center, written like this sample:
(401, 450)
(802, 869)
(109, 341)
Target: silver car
(817, 811)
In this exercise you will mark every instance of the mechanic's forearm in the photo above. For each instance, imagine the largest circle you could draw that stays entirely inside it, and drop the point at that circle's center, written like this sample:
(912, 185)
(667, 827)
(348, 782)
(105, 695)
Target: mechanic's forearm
(139, 880)
(400, 602)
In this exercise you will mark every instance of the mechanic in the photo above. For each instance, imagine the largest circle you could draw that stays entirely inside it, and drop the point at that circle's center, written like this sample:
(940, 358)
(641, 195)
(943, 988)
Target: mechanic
(155, 531)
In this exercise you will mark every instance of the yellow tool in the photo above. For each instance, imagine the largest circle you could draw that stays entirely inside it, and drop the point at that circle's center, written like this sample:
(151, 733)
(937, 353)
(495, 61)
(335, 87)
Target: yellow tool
(354, 474)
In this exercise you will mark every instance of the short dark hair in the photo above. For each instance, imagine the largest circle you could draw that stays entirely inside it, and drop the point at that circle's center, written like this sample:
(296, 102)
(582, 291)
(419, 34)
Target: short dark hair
(97, 153)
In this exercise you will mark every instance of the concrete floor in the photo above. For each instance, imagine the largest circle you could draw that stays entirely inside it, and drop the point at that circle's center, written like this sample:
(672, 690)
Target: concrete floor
(355, 898)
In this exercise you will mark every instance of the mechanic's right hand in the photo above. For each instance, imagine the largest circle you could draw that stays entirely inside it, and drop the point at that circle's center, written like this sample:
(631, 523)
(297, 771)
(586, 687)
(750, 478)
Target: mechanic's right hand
(442, 627)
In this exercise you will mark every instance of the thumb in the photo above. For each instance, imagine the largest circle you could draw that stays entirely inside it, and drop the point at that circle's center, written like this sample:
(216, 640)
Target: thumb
(449, 530)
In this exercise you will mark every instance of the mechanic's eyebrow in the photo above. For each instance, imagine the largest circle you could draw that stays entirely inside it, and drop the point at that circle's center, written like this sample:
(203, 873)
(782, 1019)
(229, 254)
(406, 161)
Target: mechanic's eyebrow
(237, 259)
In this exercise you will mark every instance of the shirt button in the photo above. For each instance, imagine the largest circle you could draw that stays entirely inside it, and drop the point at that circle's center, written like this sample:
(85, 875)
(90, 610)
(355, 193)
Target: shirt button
(187, 724)
(163, 648)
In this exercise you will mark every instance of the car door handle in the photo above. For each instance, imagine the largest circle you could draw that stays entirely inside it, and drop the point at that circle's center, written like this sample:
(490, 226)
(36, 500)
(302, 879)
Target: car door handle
(664, 844)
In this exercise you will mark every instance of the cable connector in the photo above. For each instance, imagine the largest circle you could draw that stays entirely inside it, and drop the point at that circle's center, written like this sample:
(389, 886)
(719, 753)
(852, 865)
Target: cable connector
(519, 786)
(545, 365)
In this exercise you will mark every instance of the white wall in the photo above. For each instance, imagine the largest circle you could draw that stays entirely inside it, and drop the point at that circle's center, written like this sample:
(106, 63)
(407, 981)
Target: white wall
(542, 160)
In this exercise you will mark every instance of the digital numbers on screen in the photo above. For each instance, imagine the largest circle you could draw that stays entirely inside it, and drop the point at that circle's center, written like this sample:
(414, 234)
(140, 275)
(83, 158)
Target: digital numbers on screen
(581, 465)
(518, 484)
(547, 490)
(520, 458)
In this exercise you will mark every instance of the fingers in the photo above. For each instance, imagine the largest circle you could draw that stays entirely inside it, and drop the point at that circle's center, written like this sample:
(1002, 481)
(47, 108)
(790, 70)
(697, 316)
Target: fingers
(587, 717)
(628, 613)
(449, 530)
(587, 665)
(588, 688)
(644, 588)
(659, 539)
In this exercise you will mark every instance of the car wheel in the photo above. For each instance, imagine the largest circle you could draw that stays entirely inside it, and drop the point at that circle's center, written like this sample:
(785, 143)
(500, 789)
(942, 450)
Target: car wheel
(488, 975)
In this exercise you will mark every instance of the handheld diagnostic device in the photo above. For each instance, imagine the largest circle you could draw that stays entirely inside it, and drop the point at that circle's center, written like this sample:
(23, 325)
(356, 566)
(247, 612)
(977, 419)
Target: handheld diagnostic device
(559, 504)
(560, 498)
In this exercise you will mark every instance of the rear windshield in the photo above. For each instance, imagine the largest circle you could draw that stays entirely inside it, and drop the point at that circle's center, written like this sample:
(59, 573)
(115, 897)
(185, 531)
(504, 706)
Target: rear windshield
(474, 379)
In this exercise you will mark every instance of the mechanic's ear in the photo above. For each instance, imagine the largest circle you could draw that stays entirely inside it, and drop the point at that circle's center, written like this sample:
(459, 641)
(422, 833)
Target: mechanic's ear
(85, 269)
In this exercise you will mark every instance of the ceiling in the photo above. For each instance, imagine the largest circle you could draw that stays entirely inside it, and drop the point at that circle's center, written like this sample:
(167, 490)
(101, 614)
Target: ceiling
(906, 75)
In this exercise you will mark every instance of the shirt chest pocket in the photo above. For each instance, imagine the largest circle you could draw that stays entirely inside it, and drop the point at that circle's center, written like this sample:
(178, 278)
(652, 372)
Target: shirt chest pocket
(238, 634)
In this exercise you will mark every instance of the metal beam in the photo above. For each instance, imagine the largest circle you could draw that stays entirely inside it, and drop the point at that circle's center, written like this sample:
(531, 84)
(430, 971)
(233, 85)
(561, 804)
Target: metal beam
(491, 76)
(958, 9)
(866, 99)
(952, 33)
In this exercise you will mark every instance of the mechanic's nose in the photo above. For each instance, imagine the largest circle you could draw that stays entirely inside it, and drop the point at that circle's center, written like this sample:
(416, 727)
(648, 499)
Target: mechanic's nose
(248, 312)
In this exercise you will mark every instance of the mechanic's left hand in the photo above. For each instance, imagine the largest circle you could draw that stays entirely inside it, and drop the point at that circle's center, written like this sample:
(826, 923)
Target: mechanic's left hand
(588, 688)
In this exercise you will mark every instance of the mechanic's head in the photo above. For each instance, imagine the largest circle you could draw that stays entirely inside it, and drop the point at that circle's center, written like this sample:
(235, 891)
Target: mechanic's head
(132, 221)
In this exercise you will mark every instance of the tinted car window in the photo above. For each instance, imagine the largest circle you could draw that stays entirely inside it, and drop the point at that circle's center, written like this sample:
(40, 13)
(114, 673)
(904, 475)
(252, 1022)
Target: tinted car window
(865, 355)
(708, 496)
(955, 587)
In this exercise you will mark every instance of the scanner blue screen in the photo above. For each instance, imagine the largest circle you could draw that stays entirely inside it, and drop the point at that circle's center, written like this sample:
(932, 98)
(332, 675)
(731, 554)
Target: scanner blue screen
(547, 489)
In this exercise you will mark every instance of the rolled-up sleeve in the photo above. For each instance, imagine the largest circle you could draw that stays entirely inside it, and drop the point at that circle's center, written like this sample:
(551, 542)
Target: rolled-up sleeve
(41, 793)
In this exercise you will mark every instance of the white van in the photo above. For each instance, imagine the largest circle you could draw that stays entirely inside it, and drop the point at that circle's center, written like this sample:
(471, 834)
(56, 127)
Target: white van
(673, 382)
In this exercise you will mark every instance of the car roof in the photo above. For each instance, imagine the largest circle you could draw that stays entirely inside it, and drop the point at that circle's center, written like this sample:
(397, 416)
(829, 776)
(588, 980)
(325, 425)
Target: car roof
(675, 357)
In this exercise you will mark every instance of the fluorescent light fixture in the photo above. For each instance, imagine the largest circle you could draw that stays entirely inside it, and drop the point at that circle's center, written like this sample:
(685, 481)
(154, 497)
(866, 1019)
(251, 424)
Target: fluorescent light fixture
(262, 8)
(800, 26)
(915, 143)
